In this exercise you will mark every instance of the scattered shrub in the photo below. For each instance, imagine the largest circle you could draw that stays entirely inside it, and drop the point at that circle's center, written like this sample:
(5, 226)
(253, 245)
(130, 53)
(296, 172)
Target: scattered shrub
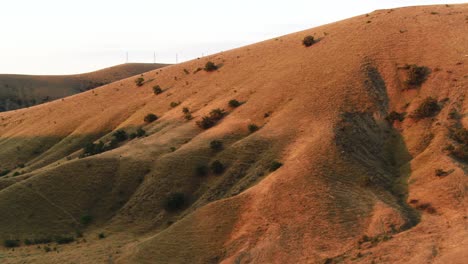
(85, 220)
(234, 103)
(460, 152)
(216, 145)
(11, 243)
(185, 110)
(186, 71)
(212, 119)
(308, 41)
(275, 165)
(428, 108)
(174, 104)
(175, 201)
(4, 172)
(140, 132)
(210, 66)
(120, 135)
(36, 241)
(201, 170)
(417, 75)
(252, 128)
(139, 82)
(132, 135)
(93, 149)
(188, 116)
(101, 236)
(149, 118)
(197, 70)
(47, 249)
(157, 89)
(217, 167)
(393, 116)
(64, 239)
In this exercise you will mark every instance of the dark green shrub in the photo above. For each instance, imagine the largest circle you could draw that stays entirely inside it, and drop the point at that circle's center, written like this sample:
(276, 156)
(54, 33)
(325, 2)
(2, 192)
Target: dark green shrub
(4, 172)
(201, 170)
(212, 119)
(11, 243)
(149, 118)
(85, 220)
(93, 149)
(460, 152)
(428, 108)
(175, 201)
(64, 239)
(157, 89)
(216, 145)
(252, 128)
(188, 116)
(47, 249)
(210, 66)
(217, 167)
(234, 103)
(140, 132)
(120, 135)
(132, 135)
(185, 110)
(174, 104)
(275, 165)
(101, 236)
(393, 116)
(308, 41)
(139, 82)
(417, 75)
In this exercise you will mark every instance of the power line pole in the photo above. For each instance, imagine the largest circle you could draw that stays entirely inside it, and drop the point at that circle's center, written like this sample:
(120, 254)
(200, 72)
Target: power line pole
(154, 57)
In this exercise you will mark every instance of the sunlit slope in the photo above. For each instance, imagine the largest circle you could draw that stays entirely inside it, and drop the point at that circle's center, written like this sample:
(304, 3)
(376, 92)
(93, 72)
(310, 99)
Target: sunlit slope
(357, 182)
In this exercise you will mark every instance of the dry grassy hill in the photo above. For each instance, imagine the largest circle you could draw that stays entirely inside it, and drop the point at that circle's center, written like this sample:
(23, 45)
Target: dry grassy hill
(20, 91)
(351, 150)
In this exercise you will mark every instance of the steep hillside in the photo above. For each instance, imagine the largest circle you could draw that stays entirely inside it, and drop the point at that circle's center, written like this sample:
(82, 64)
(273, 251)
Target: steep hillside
(353, 149)
(20, 91)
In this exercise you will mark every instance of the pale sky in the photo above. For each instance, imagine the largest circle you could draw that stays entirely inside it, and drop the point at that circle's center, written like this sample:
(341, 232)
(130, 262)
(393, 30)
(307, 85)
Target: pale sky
(74, 36)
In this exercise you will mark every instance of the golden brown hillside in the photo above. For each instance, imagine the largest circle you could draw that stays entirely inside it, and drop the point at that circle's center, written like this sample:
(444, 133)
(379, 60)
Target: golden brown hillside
(20, 91)
(352, 150)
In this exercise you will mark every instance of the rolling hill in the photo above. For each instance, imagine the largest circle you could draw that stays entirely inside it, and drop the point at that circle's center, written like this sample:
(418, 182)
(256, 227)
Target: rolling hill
(20, 91)
(351, 150)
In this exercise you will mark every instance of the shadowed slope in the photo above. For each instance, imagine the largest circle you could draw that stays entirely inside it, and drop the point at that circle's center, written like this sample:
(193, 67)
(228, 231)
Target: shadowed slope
(20, 91)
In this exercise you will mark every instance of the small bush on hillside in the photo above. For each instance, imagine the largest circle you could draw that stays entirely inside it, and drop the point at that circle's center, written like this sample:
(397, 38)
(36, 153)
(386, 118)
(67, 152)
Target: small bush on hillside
(139, 82)
(185, 110)
(47, 249)
(210, 66)
(188, 116)
(460, 152)
(37, 241)
(120, 135)
(85, 220)
(64, 239)
(11, 243)
(394, 116)
(275, 165)
(175, 201)
(217, 167)
(308, 41)
(212, 119)
(93, 149)
(216, 145)
(149, 118)
(234, 103)
(101, 236)
(4, 172)
(186, 71)
(417, 75)
(174, 104)
(252, 128)
(201, 170)
(428, 108)
(140, 132)
(157, 89)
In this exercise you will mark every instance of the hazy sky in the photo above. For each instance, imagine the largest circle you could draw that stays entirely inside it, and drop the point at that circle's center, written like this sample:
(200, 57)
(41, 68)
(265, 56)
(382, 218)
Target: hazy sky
(72, 36)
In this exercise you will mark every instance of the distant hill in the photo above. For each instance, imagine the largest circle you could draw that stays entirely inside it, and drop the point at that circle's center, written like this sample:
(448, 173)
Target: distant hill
(19, 91)
(351, 150)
